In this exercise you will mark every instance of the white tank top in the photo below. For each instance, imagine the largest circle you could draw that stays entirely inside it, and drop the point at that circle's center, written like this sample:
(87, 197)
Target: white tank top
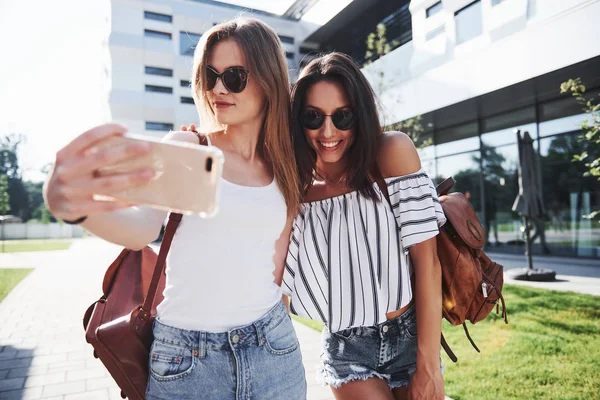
(220, 269)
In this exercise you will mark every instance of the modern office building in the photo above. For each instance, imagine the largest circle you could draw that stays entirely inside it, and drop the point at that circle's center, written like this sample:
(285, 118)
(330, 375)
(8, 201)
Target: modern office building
(474, 72)
(151, 48)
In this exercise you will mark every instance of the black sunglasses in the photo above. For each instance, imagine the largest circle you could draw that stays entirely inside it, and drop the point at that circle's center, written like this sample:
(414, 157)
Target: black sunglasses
(234, 79)
(342, 119)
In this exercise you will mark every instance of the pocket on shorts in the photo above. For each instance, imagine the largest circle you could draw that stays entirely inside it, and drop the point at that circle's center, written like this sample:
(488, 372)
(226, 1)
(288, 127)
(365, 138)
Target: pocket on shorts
(170, 361)
(409, 323)
(348, 333)
(281, 339)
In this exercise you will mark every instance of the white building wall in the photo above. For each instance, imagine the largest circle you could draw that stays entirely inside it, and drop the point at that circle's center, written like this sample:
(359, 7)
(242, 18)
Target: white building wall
(521, 39)
(131, 51)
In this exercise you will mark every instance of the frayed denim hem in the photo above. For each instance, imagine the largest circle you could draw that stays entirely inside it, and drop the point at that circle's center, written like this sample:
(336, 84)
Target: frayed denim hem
(402, 383)
(398, 384)
(326, 378)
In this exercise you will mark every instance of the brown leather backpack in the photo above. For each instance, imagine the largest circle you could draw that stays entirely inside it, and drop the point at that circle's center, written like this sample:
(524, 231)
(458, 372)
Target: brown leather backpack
(471, 282)
(119, 324)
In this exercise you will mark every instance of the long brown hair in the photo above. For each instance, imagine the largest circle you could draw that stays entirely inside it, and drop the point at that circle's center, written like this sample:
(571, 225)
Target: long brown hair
(368, 132)
(265, 58)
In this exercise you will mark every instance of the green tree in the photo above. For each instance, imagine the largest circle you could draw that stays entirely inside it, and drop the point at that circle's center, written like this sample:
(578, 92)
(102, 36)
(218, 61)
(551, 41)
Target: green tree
(9, 159)
(35, 198)
(590, 138)
(377, 47)
(4, 202)
(4, 196)
(9, 166)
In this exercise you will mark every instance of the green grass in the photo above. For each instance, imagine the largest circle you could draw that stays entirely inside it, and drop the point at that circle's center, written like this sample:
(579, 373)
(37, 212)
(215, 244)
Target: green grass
(9, 279)
(15, 246)
(549, 350)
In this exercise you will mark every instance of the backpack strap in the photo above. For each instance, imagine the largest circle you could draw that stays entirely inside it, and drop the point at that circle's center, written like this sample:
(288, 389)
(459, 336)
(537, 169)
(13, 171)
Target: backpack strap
(174, 219)
(445, 186)
(447, 349)
(469, 337)
(204, 140)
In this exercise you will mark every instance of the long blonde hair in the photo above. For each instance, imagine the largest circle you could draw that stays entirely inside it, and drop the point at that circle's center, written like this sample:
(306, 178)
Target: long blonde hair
(265, 58)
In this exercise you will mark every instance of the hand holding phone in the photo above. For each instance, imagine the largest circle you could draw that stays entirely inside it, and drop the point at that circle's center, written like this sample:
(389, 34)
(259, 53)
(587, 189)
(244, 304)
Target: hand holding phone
(186, 177)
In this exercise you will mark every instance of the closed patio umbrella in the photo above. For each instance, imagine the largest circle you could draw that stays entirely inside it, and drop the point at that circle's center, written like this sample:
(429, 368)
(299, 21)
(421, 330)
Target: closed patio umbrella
(530, 205)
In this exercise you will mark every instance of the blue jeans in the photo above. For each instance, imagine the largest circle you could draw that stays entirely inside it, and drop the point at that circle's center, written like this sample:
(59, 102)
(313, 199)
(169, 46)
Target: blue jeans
(259, 361)
(387, 351)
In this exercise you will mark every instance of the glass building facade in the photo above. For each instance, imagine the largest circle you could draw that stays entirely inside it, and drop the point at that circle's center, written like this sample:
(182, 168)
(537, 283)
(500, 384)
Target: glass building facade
(482, 156)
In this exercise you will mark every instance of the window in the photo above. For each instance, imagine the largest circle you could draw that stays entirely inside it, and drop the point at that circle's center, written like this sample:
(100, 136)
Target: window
(457, 146)
(158, 126)
(158, 17)
(465, 169)
(286, 39)
(187, 100)
(435, 32)
(159, 71)
(507, 136)
(184, 83)
(158, 89)
(434, 9)
(562, 125)
(289, 55)
(468, 22)
(156, 34)
(510, 120)
(398, 26)
(307, 50)
(188, 42)
(568, 195)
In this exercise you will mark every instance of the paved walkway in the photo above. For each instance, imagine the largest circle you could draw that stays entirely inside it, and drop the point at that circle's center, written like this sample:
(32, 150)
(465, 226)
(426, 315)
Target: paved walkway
(43, 353)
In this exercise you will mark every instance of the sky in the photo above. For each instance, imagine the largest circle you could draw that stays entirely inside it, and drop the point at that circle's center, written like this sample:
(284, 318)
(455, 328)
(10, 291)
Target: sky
(52, 77)
(51, 85)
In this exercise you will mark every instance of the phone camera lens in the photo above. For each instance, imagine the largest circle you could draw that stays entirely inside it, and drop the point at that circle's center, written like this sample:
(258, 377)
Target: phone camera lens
(209, 163)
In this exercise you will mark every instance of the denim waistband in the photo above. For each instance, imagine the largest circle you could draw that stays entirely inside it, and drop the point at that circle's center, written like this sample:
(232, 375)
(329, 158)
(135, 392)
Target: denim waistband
(400, 320)
(249, 335)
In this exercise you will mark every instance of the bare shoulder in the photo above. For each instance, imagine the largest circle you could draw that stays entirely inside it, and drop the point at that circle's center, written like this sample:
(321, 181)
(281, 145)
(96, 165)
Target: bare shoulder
(398, 155)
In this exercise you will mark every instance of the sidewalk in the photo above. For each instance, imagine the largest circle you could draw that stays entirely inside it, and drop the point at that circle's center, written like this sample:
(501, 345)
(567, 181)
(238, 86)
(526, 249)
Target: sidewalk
(43, 353)
(572, 274)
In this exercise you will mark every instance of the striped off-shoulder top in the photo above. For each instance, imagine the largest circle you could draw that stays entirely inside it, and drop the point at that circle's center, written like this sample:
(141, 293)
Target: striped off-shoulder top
(348, 262)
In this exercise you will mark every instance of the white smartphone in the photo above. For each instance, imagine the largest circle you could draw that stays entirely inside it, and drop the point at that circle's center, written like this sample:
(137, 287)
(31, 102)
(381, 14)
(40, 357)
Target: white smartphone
(187, 176)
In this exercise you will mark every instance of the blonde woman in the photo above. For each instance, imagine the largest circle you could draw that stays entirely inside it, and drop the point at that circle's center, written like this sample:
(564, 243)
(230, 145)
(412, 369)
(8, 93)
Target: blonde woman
(222, 331)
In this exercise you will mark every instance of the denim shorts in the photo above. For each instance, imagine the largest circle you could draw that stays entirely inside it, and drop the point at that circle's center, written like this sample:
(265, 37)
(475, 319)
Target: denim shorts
(258, 361)
(387, 351)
